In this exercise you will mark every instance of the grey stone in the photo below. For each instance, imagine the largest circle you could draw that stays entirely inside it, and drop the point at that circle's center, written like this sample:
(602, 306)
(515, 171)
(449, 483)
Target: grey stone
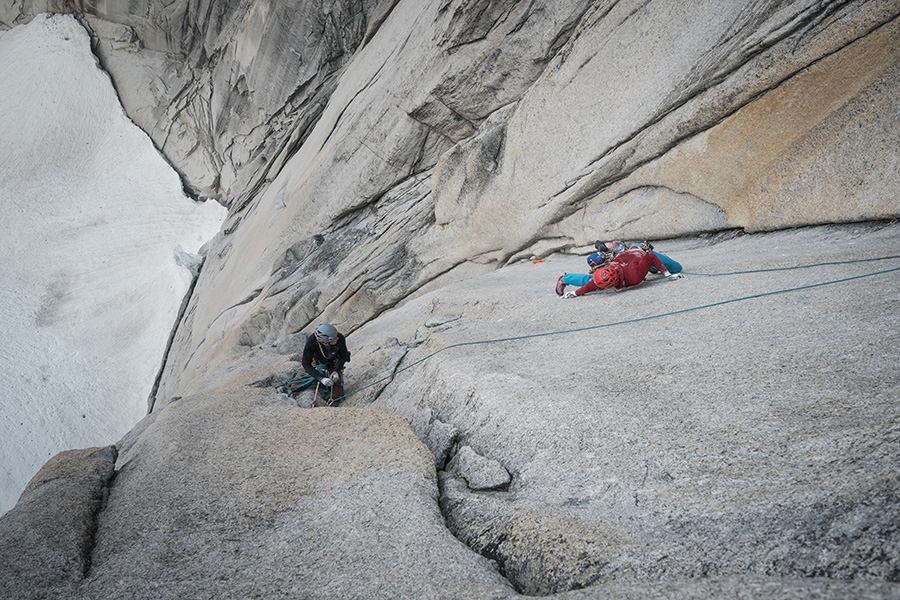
(565, 151)
(305, 398)
(442, 320)
(480, 473)
(441, 439)
(47, 539)
(312, 499)
(291, 344)
(731, 422)
(421, 423)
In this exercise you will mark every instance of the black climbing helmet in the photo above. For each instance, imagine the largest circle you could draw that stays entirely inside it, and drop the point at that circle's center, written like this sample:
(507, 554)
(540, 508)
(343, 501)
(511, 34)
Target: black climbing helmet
(326, 332)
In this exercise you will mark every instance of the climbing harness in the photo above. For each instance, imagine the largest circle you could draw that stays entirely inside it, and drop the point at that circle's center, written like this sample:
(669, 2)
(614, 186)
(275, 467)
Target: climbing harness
(303, 380)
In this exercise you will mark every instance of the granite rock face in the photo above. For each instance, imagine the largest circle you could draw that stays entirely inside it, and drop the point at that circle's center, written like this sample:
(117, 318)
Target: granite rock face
(227, 90)
(739, 421)
(521, 131)
(498, 131)
(301, 505)
(46, 541)
(730, 434)
(734, 432)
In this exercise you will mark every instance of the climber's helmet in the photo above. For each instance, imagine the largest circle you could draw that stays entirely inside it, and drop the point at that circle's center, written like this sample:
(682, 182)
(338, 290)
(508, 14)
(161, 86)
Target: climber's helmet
(326, 333)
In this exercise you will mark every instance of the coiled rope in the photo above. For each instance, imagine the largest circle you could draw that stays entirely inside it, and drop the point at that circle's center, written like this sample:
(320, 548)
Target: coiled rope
(659, 315)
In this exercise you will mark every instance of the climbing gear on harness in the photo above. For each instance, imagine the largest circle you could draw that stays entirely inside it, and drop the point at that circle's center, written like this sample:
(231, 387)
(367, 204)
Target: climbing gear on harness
(645, 247)
(325, 333)
(300, 381)
(330, 392)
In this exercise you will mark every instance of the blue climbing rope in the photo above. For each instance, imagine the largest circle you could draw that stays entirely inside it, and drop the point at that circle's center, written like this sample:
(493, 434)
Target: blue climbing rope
(656, 316)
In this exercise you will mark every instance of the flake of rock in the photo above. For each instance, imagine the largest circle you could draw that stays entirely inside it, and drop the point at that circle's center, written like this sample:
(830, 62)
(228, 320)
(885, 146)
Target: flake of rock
(440, 440)
(436, 322)
(480, 472)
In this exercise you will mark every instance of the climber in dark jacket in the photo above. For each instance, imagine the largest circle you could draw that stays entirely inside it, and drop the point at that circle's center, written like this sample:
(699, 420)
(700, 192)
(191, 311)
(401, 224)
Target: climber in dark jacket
(325, 354)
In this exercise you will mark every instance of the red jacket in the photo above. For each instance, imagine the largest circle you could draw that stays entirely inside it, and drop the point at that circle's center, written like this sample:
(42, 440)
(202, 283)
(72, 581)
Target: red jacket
(634, 268)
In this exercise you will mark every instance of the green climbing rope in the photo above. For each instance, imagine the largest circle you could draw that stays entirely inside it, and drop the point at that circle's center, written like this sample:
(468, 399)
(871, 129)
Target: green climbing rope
(824, 264)
(656, 316)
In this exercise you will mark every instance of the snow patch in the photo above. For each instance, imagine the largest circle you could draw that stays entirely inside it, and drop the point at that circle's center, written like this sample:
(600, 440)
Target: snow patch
(90, 288)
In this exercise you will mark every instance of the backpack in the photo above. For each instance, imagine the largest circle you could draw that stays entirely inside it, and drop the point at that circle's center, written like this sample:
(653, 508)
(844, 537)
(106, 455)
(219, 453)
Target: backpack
(598, 259)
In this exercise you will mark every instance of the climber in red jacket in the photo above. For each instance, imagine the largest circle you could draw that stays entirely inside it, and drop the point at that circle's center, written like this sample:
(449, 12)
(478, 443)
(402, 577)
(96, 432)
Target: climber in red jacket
(625, 270)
